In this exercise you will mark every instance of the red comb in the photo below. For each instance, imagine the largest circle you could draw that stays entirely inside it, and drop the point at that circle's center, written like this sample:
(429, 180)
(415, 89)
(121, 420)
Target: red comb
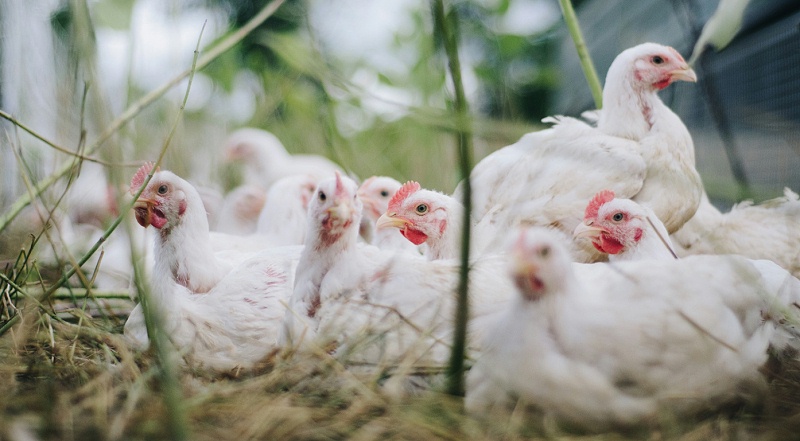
(140, 175)
(597, 201)
(402, 193)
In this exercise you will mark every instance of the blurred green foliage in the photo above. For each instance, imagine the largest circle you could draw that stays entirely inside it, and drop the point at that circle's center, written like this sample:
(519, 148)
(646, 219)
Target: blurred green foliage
(306, 92)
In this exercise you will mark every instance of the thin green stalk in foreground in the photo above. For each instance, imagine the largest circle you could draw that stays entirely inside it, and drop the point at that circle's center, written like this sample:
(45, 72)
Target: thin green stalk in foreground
(135, 109)
(583, 52)
(172, 390)
(455, 372)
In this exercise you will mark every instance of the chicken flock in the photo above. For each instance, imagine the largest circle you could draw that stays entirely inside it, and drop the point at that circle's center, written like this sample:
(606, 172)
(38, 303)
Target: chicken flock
(604, 287)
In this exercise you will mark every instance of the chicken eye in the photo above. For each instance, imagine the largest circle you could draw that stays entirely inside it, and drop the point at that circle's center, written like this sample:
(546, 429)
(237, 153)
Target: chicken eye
(421, 209)
(617, 217)
(545, 251)
(657, 59)
(162, 189)
(384, 193)
(322, 196)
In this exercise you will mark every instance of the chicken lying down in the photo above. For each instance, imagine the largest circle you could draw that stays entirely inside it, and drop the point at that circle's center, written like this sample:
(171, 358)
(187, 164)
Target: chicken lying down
(624, 229)
(235, 325)
(371, 306)
(769, 230)
(283, 219)
(183, 248)
(266, 160)
(619, 343)
(222, 310)
(639, 149)
(375, 193)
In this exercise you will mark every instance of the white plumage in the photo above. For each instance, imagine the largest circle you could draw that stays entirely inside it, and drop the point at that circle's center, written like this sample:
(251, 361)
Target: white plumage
(240, 208)
(266, 160)
(283, 218)
(640, 150)
(615, 343)
(770, 230)
(183, 249)
(222, 310)
(376, 306)
(235, 324)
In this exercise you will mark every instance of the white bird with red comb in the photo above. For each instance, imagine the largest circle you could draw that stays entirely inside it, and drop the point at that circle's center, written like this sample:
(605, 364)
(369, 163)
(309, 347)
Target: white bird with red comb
(434, 219)
(640, 150)
(390, 306)
(616, 343)
(222, 311)
(624, 229)
(375, 193)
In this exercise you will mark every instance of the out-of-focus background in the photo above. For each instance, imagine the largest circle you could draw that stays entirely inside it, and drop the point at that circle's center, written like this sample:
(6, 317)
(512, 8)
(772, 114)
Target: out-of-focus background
(363, 83)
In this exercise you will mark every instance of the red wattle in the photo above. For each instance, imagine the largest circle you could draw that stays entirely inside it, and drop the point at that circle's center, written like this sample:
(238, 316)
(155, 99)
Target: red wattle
(414, 236)
(610, 245)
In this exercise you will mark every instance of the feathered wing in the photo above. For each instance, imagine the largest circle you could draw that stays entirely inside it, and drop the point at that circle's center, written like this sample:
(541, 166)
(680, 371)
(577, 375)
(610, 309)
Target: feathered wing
(672, 188)
(716, 307)
(769, 230)
(234, 325)
(547, 177)
(624, 349)
(398, 307)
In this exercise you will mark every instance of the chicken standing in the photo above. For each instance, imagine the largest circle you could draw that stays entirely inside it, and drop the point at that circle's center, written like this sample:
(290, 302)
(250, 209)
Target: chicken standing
(266, 160)
(597, 343)
(640, 150)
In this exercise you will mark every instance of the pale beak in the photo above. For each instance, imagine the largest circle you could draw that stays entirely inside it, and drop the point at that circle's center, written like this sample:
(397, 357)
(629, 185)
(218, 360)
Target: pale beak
(684, 74)
(389, 220)
(586, 230)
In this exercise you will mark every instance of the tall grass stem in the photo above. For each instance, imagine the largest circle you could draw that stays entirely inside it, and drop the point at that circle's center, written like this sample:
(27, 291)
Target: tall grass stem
(583, 52)
(449, 32)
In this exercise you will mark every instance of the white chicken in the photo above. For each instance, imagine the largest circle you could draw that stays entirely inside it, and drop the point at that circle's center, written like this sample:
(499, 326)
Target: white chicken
(434, 219)
(266, 160)
(183, 250)
(624, 229)
(640, 150)
(232, 326)
(91, 199)
(222, 310)
(283, 218)
(240, 209)
(376, 306)
(616, 343)
(770, 230)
